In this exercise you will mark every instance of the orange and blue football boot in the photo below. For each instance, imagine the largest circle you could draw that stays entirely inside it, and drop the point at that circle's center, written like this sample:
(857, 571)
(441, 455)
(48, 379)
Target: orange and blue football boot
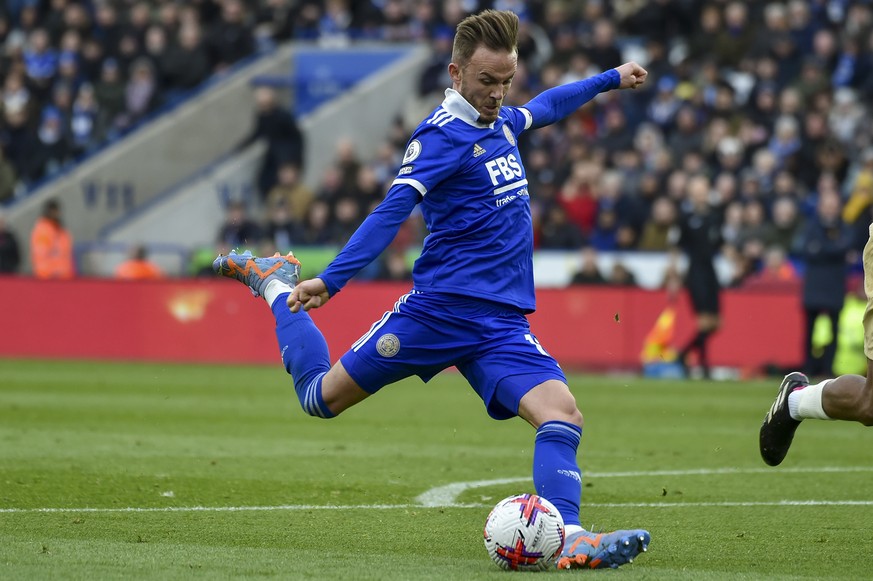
(257, 272)
(587, 550)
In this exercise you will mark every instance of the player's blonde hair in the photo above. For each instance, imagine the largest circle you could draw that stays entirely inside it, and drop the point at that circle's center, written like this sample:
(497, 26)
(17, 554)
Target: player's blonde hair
(495, 29)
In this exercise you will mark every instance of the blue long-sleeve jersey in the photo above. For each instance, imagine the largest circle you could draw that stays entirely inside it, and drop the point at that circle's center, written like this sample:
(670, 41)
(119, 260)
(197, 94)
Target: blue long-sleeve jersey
(471, 184)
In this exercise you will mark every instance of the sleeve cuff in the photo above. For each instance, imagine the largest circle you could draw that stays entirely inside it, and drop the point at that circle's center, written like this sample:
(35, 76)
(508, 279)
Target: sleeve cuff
(614, 79)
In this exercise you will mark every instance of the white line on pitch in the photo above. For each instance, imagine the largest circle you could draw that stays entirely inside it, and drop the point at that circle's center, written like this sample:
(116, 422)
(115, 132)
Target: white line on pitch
(290, 507)
(446, 495)
(728, 504)
(305, 507)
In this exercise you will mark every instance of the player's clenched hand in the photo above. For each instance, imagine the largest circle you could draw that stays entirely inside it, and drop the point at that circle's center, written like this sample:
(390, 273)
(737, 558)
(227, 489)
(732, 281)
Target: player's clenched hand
(309, 294)
(632, 75)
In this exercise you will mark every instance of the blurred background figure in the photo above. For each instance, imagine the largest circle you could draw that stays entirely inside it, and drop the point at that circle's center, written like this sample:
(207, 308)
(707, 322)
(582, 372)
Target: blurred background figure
(186, 62)
(823, 245)
(53, 147)
(239, 231)
(672, 279)
(109, 93)
(138, 266)
(290, 192)
(394, 266)
(7, 178)
(776, 272)
(284, 139)
(282, 231)
(699, 237)
(10, 256)
(231, 38)
(51, 246)
(84, 127)
(141, 93)
(621, 275)
(589, 271)
(558, 233)
(786, 223)
(656, 232)
(316, 224)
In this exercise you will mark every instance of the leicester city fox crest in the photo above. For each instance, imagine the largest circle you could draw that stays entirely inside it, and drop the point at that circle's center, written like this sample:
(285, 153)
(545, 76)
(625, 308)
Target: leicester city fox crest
(509, 136)
(388, 345)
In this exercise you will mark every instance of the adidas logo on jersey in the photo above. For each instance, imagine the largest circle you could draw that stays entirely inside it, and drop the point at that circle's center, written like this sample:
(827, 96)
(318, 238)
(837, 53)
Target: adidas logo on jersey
(478, 150)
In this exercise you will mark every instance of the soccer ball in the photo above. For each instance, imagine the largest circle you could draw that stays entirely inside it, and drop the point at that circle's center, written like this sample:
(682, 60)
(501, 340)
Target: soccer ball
(525, 533)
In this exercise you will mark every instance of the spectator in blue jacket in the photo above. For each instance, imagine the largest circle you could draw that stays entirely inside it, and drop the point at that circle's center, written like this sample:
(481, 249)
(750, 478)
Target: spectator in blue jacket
(823, 245)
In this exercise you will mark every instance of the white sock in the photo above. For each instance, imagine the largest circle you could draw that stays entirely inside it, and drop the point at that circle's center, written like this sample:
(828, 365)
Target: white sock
(571, 530)
(806, 403)
(274, 289)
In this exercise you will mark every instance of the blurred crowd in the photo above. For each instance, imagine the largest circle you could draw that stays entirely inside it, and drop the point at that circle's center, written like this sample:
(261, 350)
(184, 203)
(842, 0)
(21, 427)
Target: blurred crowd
(766, 102)
(76, 74)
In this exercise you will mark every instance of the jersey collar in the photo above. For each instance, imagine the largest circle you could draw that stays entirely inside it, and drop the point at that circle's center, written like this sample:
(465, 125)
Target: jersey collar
(458, 106)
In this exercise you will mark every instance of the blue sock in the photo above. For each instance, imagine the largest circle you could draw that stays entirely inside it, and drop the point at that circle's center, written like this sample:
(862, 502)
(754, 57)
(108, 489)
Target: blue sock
(305, 355)
(556, 473)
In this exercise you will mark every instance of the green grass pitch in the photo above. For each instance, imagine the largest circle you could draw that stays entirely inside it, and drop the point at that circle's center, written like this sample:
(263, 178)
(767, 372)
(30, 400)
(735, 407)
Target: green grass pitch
(160, 471)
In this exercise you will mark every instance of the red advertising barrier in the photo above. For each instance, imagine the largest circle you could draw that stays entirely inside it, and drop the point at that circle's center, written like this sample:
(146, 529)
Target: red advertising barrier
(218, 321)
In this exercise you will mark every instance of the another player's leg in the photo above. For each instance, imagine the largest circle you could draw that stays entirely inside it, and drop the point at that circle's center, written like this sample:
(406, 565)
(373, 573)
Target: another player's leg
(779, 425)
(847, 397)
(551, 409)
(322, 391)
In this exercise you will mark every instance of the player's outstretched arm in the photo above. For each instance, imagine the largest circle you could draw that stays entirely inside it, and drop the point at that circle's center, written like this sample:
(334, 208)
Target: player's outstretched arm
(632, 75)
(369, 240)
(556, 103)
(309, 294)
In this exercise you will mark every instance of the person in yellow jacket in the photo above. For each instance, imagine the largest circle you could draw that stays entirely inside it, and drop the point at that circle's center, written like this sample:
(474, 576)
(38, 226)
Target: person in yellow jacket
(51, 246)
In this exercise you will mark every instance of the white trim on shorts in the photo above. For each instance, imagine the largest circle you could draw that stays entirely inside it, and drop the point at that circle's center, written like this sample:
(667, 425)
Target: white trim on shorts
(378, 324)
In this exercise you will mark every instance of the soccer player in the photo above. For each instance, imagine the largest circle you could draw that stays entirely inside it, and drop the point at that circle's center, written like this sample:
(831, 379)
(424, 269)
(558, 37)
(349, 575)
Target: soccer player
(473, 283)
(699, 236)
(847, 397)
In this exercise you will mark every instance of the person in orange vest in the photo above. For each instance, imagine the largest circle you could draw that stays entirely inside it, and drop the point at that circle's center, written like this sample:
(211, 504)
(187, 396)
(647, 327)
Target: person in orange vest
(51, 246)
(138, 267)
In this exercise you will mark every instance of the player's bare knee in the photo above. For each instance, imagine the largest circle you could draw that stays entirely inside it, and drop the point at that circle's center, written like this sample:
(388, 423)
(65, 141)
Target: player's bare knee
(865, 412)
(865, 416)
(335, 401)
(550, 402)
(566, 411)
(340, 393)
(864, 402)
(576, 418)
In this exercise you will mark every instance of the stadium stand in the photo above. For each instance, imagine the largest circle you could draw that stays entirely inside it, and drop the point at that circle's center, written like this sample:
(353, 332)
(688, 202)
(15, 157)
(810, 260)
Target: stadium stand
(770, 100)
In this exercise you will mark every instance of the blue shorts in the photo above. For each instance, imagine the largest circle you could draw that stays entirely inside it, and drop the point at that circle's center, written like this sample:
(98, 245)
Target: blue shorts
(491, 345)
